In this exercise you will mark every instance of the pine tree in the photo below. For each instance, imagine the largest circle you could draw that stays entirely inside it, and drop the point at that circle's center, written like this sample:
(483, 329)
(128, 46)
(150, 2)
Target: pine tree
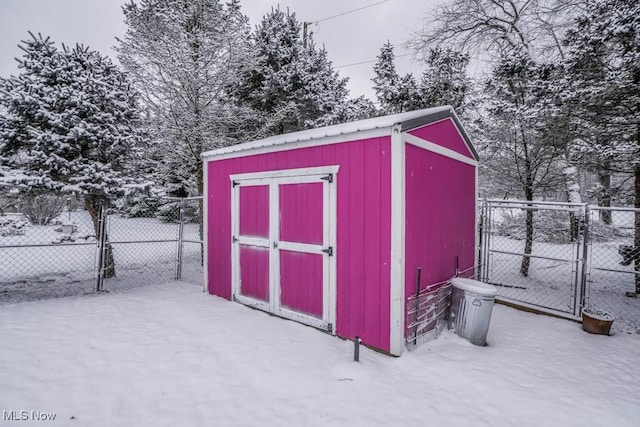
(71, 122)
(386, 80)
(292, 83)
(445, 82)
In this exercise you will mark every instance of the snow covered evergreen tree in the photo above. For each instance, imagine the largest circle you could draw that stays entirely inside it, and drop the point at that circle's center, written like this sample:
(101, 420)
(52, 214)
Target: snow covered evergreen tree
(386, 80)
(292, 83)
(354, 109)
(182, 55)
(70, 122)
(604, 64)
(445, 81)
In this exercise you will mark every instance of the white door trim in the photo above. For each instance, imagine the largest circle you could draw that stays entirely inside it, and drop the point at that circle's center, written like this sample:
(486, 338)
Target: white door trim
(273, 179)
(295, 174)
(300, 247)
(260, 242)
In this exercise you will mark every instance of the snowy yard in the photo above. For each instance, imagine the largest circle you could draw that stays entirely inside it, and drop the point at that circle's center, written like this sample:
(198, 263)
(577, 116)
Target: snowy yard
(171, 355)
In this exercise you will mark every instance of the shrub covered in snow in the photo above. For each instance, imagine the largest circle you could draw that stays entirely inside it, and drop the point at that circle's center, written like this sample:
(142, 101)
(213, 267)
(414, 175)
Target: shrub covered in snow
(171, 213)
(552, 227)
(41, 209)
(137, 206)
(12, 226)
(548, 226)
(601, 232)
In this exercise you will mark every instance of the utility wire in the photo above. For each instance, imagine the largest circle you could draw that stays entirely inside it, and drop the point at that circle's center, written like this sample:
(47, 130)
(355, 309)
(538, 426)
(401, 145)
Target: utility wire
(370, 61)
(349, 11)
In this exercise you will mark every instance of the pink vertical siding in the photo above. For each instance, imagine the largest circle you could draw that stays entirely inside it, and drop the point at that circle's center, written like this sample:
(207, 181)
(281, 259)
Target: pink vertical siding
(254, 211)
(301, 213)
(301, 282)
(363, 229)
(254, 268)
(445, 134)
(440, 216)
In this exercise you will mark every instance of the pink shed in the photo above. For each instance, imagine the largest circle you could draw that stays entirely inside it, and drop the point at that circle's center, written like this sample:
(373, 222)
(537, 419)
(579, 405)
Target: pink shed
(328, 226)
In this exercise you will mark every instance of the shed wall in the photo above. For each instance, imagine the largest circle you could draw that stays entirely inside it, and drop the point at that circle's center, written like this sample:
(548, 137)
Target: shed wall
(440, 217)
(363, 228)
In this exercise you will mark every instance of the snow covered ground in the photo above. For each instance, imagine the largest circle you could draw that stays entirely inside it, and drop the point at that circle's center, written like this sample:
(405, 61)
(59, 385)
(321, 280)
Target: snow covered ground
(171, 355)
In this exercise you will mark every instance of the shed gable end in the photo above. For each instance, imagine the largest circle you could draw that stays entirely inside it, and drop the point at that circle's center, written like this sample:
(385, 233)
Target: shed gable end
(446, 134)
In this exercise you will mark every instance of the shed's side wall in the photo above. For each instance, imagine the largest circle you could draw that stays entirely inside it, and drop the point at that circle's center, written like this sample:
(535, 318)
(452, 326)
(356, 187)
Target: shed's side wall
(363, 229)
(440, 217)
(444, 133)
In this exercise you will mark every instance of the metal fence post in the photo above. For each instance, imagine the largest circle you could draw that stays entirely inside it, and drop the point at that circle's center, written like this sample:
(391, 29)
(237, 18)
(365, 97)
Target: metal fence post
(487, 241)
(586, 243)
(480, 241)
(180, 239)
(102, 247)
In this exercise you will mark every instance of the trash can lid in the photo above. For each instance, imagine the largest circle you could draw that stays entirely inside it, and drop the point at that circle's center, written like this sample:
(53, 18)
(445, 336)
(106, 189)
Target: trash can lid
(474, 286)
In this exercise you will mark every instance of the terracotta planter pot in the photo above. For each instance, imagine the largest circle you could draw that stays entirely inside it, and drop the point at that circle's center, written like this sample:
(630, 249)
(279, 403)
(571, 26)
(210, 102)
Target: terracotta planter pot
(596, 321)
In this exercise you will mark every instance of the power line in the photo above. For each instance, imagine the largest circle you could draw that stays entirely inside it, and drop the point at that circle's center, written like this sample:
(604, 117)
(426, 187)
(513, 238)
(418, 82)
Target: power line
(369, 62)
(349, 11)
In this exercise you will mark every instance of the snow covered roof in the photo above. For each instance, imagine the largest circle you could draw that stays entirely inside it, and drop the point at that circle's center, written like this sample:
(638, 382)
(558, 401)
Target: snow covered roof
(407, 121)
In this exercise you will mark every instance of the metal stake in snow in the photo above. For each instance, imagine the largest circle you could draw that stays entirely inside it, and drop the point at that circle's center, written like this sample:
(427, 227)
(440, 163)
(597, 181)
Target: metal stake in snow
(417, 307)
(356, 349)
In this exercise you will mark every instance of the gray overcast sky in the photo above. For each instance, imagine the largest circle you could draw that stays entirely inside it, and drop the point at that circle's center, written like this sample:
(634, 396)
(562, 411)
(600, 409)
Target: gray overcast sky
(352, 38)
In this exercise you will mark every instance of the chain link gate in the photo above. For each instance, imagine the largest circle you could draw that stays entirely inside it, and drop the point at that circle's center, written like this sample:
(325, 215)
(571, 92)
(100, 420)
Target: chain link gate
(154, 247)
(579, 255)
(534, 253)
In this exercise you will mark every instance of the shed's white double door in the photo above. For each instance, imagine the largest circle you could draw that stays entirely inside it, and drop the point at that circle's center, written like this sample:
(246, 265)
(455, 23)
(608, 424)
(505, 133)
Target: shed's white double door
(283, 226)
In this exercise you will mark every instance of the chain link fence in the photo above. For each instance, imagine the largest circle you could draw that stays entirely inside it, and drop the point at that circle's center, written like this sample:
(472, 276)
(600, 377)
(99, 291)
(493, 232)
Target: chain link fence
(613, 274)
(130, 244)
(427, 311)
(561, 257)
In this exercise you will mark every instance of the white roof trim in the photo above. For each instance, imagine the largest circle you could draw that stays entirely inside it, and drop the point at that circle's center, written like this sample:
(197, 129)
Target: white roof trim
(328, 131)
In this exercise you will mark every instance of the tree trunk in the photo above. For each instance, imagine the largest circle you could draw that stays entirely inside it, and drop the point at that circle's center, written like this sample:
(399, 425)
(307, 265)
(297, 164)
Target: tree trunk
(636, 240)
(528, 242)
(604, 198)
(93, 204)
(572, 188)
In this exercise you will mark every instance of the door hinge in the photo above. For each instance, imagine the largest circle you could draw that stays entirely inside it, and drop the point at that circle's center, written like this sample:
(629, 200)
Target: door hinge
(234, 183)
(328, 178)
(330, 327)
(328, 251)
(234, 239)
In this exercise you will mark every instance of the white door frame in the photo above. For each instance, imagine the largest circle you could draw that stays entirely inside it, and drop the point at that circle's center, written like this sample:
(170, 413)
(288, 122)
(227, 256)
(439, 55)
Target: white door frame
(273, 179)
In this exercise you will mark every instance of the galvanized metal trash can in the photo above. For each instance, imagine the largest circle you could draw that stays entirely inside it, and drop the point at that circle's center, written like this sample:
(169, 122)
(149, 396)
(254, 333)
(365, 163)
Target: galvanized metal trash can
(471, 307)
